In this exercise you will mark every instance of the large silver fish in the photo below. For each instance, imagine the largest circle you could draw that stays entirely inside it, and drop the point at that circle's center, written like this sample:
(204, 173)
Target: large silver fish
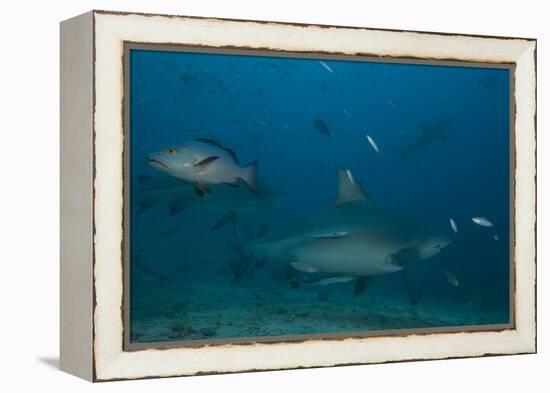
(204, 162)
(179, 195)
(357, 237)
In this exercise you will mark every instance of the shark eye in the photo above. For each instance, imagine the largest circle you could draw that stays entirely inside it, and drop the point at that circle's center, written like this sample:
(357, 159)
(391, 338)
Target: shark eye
(171, 150)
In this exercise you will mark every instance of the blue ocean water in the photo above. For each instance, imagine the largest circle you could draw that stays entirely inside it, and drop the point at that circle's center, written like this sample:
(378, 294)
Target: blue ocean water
(440, 149)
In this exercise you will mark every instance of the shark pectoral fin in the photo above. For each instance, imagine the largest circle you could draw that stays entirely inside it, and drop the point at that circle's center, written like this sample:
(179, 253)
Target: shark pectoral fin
(144, 207)
(303, 267)
(208, 160)
(328, 235)
(348, 189)
(290, 272)
(361, 285)
(177, 206)
(201, 188)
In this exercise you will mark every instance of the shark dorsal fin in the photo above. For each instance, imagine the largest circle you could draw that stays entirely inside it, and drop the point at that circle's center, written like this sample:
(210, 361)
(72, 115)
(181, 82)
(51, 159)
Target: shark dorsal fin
(348, 189)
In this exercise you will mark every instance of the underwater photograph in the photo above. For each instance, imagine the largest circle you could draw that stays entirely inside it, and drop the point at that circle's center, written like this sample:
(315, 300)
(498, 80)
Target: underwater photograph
(274, 196)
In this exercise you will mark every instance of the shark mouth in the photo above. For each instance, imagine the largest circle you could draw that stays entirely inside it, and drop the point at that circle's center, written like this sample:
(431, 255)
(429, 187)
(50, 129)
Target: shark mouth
(156, 163)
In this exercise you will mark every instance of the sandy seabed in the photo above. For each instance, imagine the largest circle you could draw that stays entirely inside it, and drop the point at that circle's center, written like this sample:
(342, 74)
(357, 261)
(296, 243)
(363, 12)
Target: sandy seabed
(181, 308)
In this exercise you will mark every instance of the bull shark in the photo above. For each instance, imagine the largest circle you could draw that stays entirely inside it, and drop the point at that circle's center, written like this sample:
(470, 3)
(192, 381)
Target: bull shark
(179, 195)
(357, 237)
(430, 133)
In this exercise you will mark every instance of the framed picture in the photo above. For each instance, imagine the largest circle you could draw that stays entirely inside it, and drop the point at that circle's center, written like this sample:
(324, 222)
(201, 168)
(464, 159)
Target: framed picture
(246, 195)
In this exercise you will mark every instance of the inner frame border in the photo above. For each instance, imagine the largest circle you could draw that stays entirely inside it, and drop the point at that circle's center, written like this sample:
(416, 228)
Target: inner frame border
(128, 46)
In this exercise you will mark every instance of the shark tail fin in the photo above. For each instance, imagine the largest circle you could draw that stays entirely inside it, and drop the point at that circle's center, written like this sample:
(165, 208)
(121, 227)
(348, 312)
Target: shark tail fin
(243, 235)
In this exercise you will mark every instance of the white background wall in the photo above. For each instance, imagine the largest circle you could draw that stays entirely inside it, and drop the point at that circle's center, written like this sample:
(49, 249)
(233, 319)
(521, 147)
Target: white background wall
(29, 195)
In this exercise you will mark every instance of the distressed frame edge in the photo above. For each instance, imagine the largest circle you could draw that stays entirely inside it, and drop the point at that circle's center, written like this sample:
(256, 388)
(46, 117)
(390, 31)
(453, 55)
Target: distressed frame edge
(524, 338)
(76, 196)
(305, 24)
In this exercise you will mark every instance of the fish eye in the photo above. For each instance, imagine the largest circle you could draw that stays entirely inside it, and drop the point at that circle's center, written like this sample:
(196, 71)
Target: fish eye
(171, 150)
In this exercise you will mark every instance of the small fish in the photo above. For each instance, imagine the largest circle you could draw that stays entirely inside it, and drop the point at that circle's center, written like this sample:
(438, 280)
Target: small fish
(326, 66)
(346, 113)
(451, 279)
(304, 267)
(453, 225)
(482, 221)
(262, 123)
(333, 280)
(203, 162)
(495, 236)
(373, 144)
(286, 126)
(390, 103)
(329, 235)
(321, 126)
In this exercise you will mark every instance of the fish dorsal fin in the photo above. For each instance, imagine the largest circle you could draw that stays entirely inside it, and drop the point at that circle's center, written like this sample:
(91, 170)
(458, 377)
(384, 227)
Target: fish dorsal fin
(348, 189)
(213, 142)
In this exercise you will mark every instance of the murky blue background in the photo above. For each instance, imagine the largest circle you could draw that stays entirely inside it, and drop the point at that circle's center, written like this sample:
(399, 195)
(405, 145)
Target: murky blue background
(264, 108)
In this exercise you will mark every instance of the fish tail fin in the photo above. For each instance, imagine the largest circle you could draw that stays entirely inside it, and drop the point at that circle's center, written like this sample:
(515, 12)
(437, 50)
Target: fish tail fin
(249, 176)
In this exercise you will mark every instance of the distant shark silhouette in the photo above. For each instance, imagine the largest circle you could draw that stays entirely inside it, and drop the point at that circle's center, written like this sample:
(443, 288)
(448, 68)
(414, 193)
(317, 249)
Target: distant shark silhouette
(430, 133)
(355, 238)
(179, 195)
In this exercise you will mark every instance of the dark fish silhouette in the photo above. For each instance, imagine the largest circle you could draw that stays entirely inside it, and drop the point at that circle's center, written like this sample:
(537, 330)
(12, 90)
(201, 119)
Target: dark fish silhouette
(322, 126)
(430, 133)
